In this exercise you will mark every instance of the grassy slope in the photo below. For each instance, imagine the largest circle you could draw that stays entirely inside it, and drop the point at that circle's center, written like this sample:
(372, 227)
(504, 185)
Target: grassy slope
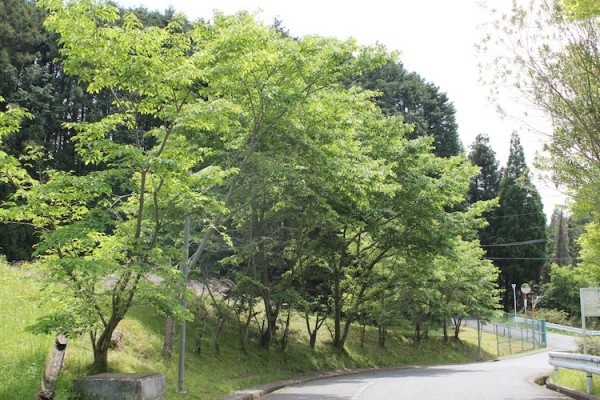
(576, 380)
(209, 373)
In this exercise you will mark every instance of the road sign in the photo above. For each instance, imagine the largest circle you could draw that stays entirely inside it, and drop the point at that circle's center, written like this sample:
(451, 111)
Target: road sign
(590, 307)
(590, 302)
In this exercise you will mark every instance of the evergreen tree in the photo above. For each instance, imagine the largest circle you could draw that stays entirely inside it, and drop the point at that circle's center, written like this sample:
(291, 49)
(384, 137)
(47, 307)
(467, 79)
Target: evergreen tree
(419, 102)
(486, 183)
(21, 37)
(558, 239)
(518, 245)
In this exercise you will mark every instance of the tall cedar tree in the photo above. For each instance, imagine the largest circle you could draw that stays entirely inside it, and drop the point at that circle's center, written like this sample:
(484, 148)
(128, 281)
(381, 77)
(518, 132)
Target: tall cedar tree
(518, 226)
(486, 183)
(419, 102)
(558, 239)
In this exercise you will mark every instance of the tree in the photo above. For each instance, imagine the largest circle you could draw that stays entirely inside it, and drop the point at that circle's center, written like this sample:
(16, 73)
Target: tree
(10, 121)
(486, 184)
(396, 229)
(21, 37)
(559, 243)
(420, 103)
(107, 232)
(562, 290)
(518, 245)
(465, 284)
(553, 60)
(581, 9)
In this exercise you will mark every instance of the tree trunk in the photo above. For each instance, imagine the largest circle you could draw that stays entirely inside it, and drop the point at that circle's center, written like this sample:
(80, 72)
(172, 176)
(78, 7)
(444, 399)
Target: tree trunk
(245, 327)
(337, 305)
(102, 344)
(418, 332)
(284, 339)
(53, 367)
(347, 325)
(382, 324)
(313, 339)
(167, 349)
(445, 329)
(217, 333)
(457, 324)
(382, 335)
(313, 332)
(271, 313)
(100, 363)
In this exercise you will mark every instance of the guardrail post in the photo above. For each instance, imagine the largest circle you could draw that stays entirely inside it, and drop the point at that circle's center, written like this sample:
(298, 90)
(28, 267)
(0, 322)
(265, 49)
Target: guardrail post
(509, 340)
(544, 333)
(588, 378)
(497, 340)
(555, 374)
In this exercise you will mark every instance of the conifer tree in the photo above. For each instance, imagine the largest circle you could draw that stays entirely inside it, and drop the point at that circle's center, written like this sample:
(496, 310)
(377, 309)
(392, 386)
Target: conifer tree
(421, 103)
(518, 226)
(486, 183)
(558, 239)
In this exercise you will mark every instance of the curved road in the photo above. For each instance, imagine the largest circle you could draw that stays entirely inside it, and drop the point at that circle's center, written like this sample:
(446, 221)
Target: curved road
(494, 380)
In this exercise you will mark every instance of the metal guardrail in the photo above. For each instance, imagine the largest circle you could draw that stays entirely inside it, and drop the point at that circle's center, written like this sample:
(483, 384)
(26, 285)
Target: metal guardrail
(581, 362)
(563, 327)
(572, 329)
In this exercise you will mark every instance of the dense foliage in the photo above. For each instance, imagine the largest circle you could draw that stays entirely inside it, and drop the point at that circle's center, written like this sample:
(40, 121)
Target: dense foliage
(303, 193)
(549, 54)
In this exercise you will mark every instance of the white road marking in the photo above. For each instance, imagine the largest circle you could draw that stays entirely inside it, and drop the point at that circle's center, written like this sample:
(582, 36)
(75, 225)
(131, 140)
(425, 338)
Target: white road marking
(362, 389)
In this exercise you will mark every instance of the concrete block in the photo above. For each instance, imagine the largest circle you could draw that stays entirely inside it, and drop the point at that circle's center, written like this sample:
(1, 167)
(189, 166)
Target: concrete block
(121, 387)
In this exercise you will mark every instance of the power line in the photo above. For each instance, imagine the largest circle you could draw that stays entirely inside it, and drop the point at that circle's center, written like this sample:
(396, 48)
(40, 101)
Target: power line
(515, 215)
(526, 258)
(533, 241)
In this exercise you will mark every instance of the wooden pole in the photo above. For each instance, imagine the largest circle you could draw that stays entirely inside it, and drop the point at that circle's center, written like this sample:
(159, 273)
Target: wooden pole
(53, 367)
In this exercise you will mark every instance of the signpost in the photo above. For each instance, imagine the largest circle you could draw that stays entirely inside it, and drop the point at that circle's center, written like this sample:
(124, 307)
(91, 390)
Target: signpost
(525, 289)
(514, 285)
(590, 307)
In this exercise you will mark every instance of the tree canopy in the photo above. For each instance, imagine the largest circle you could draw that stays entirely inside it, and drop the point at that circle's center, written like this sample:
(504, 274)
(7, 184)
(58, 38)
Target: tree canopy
(302, 192)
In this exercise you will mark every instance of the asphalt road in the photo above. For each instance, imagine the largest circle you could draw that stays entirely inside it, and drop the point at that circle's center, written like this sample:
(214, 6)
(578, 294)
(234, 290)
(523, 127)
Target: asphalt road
(504, 379)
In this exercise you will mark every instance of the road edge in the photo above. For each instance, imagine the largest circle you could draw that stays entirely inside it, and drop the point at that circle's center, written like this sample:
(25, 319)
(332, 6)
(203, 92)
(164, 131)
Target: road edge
(569, 392)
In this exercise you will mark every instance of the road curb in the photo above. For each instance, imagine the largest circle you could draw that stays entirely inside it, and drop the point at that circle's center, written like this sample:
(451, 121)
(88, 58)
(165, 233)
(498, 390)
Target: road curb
(569, 392)
(257, 392)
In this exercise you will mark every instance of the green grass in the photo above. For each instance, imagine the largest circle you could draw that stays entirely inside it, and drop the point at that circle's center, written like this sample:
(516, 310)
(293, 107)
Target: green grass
(209, 373)
(576, 380)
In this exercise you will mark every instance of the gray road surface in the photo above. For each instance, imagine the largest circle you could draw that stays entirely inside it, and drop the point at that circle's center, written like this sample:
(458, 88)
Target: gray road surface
(504, 379)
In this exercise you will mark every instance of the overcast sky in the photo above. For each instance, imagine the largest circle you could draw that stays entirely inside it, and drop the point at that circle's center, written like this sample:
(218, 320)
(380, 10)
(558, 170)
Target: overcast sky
(436, 39)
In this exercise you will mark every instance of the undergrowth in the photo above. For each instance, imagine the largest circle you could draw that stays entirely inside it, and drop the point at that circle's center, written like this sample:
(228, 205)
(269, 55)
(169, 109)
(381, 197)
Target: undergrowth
(210, 371)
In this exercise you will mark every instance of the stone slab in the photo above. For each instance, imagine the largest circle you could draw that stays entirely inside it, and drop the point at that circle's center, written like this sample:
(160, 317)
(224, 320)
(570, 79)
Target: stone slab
(112, 386)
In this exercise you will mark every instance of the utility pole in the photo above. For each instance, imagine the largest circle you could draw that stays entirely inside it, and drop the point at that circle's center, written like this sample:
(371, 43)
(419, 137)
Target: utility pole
(185, 269)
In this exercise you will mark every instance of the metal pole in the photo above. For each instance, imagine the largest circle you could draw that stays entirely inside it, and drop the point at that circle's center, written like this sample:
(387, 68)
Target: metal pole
(581, 301)
(514, 285)
(185, 269)
(478, 335)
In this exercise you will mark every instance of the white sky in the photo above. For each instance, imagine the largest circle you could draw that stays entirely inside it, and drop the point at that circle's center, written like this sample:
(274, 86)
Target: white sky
(436, 39)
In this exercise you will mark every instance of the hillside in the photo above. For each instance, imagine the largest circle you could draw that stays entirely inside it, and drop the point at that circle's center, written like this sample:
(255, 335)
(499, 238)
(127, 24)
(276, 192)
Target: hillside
(209, 372)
